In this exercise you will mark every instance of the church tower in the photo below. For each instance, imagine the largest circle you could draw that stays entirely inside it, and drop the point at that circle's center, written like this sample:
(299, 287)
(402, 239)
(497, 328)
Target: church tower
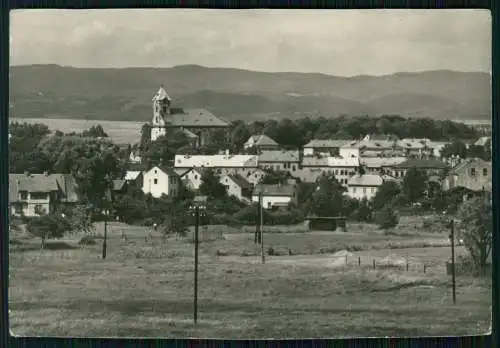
(161, 109)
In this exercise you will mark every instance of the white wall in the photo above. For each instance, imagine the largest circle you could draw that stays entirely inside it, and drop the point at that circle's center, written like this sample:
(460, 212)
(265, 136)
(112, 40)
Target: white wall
(308, 151)
(269, 201)
(161, 187)
(348, 152)
(194, 180)
(360, 192)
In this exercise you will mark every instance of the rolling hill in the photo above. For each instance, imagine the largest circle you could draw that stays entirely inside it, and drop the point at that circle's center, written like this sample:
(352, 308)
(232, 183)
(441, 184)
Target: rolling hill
(51, 91)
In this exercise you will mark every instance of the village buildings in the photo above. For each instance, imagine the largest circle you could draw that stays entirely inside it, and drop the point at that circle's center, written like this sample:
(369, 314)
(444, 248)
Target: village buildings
(159, 181)
(279, 195)
(261, 143)
(39, 194)
(326, 147)
(287, 161)
(197, 124)
(238, 187)
(364, 186)
(431, 167)
(473, 174)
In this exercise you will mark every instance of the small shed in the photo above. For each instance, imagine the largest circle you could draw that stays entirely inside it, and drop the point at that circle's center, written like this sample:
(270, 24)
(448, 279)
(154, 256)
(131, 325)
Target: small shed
(326, 223)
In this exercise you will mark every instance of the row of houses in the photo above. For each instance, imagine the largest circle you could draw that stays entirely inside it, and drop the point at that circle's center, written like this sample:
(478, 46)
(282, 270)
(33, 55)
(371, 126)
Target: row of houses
(35, 194)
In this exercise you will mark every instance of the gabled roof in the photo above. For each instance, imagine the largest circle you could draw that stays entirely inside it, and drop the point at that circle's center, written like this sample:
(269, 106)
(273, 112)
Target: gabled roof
(374, 144)
(240, 181)
(279, 156)
(216, 161)
(422, 163)
(118, 184)
(468, 162)
(377, 162)
(132, 175)
(64, 183)
(193, 118)
(365, 180)
(262, 140)
(483, 141)
(313, 161)
(286, 190)
(327, 143)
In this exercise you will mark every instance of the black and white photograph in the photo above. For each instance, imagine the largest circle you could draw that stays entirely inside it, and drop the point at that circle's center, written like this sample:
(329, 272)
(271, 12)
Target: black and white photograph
(250, 174)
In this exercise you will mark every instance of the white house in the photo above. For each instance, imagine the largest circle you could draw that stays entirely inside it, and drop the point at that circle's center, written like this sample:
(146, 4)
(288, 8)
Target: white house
(237, 186)
(244, 165)
(364, 186)
(160, 181)
(261, 142)
(191, 178)
(280, 195)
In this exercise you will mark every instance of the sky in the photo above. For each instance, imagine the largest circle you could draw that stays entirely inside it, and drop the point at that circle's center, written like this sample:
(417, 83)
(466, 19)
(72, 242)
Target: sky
(341, 42)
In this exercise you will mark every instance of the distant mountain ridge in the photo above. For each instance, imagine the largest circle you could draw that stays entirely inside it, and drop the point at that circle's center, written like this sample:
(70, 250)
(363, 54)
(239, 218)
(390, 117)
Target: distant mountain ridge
(52, 91)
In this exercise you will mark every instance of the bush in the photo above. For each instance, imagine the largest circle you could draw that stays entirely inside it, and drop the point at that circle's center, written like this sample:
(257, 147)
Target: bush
(386, 218)
(87, 240)
(48, 226)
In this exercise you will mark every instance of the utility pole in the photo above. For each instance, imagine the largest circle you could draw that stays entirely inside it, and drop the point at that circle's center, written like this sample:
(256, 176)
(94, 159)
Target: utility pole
(452, 237)
(104, 243)
(195, 295)
(262, 255)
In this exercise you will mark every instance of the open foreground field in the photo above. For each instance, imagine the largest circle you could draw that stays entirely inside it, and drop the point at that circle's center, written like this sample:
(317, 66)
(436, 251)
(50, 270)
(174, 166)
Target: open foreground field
(145, 287)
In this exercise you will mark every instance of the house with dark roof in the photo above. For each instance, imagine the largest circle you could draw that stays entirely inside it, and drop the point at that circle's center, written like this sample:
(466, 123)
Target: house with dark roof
(280, 161)
(261, 143)
(199, 123)
(161, 180)
(473, 174)
(275, 196)
(37, 194)
(237, 186)
(431, 167)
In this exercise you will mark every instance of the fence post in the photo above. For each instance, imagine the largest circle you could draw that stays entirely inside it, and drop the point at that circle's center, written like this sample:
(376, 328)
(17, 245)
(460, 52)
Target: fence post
(373, 263)
(407, 265)
(359, 260)
(424, 268)
(346, 259)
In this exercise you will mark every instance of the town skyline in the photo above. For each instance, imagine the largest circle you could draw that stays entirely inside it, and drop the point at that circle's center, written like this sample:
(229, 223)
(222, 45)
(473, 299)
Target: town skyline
(371, 42)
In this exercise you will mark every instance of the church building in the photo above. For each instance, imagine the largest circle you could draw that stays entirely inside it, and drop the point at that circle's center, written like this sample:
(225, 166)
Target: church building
(197, 124)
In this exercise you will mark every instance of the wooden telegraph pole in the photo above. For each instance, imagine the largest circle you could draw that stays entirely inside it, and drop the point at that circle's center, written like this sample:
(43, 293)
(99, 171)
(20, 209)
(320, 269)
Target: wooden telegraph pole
(196, 240)
(452, 238)
(262, 255)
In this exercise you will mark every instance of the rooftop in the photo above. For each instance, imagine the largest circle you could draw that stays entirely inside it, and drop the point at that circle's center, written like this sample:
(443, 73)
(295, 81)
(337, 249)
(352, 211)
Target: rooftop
(262, 140)
(422, 163)
(365, 180)
(275, 190)
(216, 161)
(193, 118)
(469, 162)
(327, 143)
(313, 161)
(280, 156)
(240, 181)
(375, 162)
(64, 183)
(167, 170)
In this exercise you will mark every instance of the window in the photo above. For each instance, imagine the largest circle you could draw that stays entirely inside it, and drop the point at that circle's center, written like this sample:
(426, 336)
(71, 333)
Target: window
(294, 167)
(24, 195)
(155, 181)
(364, 190)
(39, 195)
(18, 209)
(195, 177)
(373, 190)
(156, 172)
(473, 171)
(353, 190)
(227, 187)
(485, 171)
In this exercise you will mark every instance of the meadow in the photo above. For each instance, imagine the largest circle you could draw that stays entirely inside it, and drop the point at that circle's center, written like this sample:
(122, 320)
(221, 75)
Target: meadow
(327, 287)
(121, 132)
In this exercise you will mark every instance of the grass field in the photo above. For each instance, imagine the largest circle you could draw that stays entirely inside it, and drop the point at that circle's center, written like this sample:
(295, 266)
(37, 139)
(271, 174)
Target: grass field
(144, 288)
(121, 132)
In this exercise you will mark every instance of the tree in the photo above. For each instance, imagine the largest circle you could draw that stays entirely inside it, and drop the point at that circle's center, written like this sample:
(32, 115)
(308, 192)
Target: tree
(414, 185)
(164, 149)
(275, 177)
(363, 212)
(210, 186)
(239, 135)
(385, 193)
(47, 227)
(95, 132)
(24, 154)
(145, 138)
(327, 200)
(476, 229)
(386, 218)
(456, 148)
